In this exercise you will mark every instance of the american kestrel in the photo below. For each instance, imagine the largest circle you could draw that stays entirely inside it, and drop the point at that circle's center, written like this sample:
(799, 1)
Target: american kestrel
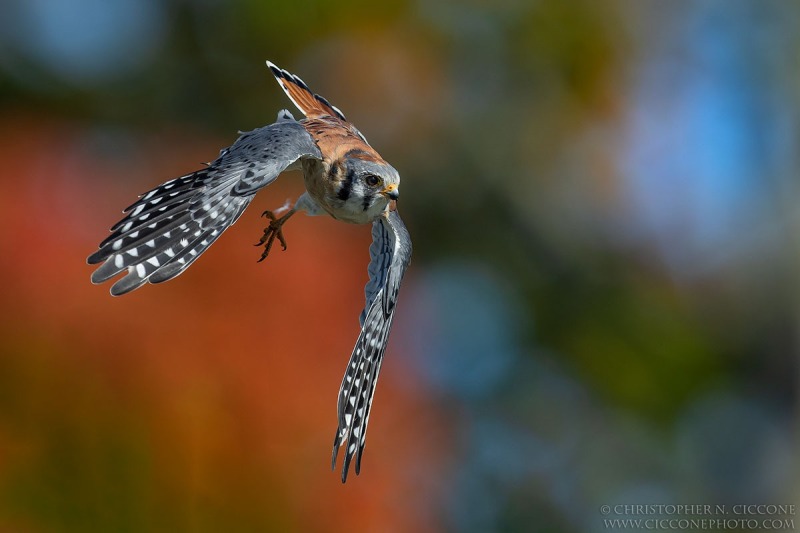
(168, 228)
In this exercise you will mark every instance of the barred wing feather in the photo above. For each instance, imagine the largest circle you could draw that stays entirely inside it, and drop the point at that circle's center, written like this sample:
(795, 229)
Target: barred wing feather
(169, 227)
(390, 254)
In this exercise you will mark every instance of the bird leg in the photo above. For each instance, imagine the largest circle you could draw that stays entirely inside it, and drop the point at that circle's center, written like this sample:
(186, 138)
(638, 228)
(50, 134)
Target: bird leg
(275, 229)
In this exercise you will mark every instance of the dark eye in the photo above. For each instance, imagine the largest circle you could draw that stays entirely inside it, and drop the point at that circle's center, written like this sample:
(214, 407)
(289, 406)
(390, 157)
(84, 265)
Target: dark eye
(372, 180)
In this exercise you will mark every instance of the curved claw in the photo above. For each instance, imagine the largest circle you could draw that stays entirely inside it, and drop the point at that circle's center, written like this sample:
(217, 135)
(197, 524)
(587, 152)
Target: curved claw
(275, 229)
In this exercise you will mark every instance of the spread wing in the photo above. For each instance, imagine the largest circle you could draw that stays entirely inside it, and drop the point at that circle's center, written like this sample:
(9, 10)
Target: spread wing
(169, 227)
(390, 254)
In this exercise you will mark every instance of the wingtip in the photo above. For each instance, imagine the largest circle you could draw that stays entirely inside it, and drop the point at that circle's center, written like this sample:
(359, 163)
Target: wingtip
(335, 450)
(346, 463)
(118, 289)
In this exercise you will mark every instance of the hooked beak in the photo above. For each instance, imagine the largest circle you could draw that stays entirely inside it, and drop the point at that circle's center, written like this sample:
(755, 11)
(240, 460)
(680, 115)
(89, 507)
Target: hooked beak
(391, 192)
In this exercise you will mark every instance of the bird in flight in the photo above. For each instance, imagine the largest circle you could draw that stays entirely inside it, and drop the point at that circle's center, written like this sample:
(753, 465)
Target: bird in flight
(169, 227)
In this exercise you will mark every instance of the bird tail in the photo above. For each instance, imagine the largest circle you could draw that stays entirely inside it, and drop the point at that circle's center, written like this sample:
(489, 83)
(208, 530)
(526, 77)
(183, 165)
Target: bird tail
(311, 104)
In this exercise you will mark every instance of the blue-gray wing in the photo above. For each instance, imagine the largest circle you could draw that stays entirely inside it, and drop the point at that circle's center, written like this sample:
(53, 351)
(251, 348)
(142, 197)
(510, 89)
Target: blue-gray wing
(169, 227)
(390, 254)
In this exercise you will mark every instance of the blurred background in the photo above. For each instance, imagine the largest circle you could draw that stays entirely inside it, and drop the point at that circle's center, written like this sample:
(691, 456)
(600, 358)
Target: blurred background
(602, 307)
